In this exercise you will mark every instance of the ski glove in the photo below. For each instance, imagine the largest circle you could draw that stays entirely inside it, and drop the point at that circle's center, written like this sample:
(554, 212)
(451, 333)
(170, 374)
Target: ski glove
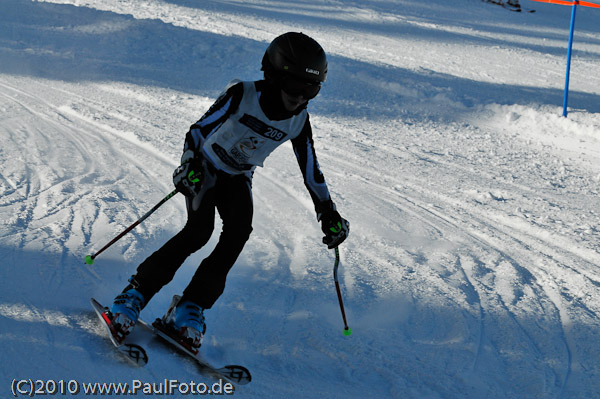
(189, 175)
(335, 227)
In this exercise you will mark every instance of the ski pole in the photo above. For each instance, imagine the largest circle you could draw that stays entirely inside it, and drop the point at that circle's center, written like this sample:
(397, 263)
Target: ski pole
(90, 258)
(347, 330)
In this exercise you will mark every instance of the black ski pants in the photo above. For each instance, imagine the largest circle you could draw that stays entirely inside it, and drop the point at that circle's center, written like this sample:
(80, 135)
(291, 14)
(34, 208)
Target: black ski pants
(231, 196)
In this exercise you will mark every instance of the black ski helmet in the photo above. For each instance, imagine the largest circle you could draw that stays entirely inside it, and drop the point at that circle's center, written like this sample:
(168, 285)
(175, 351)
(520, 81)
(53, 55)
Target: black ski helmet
(296, 55)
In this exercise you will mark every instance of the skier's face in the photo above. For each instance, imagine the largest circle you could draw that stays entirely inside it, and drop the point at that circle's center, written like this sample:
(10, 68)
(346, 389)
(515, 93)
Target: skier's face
(295, 92)
(292, 103)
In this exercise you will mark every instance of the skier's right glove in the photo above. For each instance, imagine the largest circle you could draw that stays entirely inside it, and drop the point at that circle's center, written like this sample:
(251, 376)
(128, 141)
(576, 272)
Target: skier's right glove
(335, 227)
(189, 175)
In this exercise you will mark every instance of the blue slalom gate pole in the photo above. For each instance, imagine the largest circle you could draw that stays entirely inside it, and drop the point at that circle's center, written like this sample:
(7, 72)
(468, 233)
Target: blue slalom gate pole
(574, 4)
(566, 99)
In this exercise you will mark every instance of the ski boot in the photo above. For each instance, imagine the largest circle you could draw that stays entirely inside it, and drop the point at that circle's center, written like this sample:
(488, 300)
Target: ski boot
(186, 320)
(125, 312)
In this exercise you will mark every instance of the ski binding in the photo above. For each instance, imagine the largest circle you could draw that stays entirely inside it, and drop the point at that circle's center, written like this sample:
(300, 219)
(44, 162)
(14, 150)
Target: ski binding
(233, 373)
(133, 352)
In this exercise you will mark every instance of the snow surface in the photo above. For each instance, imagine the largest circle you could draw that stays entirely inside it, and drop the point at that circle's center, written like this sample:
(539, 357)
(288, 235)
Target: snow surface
(472, 268)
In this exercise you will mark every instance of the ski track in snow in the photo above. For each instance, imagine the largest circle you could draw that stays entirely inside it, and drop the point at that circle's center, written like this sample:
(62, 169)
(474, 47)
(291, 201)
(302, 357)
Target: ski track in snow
(471, 270)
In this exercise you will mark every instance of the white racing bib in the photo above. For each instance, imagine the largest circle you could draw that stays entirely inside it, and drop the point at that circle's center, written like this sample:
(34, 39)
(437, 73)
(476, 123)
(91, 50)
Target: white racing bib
(247, 137)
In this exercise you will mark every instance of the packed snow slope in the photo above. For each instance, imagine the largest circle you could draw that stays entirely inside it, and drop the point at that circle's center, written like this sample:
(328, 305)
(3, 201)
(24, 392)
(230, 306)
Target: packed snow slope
(472, 267)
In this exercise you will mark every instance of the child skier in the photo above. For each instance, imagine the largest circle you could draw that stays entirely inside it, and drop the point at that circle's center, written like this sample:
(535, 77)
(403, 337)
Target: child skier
(246, 123)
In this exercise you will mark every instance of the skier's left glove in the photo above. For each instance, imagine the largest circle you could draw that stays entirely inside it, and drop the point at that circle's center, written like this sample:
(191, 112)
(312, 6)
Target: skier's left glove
(335, 227)
(188, 177)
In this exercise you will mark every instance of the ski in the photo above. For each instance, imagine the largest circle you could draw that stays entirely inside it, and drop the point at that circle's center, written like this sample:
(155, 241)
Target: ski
(233, 373)
(132, 352)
